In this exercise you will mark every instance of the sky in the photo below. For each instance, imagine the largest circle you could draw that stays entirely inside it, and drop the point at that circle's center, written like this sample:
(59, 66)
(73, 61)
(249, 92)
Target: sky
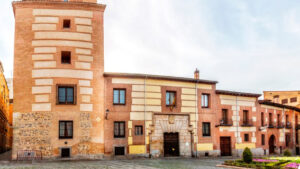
(245, 45)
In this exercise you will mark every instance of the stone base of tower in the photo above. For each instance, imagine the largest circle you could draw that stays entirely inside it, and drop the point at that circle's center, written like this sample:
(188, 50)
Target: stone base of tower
(36, 136)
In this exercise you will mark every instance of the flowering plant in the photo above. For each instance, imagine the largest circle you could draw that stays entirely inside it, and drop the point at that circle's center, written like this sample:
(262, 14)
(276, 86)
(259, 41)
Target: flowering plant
(292, 165)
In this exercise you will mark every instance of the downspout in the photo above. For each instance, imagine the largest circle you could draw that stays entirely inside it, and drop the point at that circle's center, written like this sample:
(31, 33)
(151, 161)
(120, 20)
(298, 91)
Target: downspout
(196, 106)
(294, 131)
(237, 122)
(145, 128)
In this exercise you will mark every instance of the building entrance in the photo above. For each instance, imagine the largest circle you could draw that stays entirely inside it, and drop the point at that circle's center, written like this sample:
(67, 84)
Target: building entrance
(171, 144)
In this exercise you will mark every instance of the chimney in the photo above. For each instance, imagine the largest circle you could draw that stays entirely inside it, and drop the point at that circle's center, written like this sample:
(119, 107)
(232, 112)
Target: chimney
(196, 74)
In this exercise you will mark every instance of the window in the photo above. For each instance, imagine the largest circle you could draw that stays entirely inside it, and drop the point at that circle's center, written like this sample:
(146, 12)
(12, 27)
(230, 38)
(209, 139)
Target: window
(287, 140)
(270, 119)
(225, 116)
(294, 99)
(119, 151)
(171, 98)
(65, 152)
(284, 101)
(278, 119)
(65, 129)
(119, 129)
(138, 130)
(205, 100)
(245, 117)
(263, 139)
(262, 118)
(246, 137)
(66, 23)
(205, 129)
(65, 57)
(66, 94)
(119, 96)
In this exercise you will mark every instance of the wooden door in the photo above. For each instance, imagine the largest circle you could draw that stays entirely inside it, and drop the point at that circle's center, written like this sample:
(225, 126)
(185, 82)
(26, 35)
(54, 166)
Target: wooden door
(171, 144)
(272, 145)
(225, 144)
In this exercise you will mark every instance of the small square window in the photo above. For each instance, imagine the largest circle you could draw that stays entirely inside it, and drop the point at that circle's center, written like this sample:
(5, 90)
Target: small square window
(294, 99)
(119, 151)
(138, 130)
(65, 152)
(246, 137)
(66, 23)
(284, 101)
(66, 57)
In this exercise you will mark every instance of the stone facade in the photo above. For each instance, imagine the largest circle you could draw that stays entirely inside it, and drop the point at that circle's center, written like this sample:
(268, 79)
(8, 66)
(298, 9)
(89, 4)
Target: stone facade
(171, 124)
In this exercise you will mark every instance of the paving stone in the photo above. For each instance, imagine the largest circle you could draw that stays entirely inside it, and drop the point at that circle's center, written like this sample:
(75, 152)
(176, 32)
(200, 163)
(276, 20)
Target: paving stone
(165, 163)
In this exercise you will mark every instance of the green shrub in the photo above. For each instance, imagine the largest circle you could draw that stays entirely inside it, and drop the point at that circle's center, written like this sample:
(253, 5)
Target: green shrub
(287, 153)
(247, 155)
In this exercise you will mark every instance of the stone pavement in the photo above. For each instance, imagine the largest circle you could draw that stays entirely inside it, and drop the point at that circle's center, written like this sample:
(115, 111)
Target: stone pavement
(165, 163)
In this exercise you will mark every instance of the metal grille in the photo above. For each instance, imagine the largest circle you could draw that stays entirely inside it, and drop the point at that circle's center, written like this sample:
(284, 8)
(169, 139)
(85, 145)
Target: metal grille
(23, 155)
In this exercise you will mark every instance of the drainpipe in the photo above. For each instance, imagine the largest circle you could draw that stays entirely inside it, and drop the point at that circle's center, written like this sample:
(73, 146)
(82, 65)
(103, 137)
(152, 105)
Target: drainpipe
(238, 122)
(196, 106)
(145, 128)
(294, 131)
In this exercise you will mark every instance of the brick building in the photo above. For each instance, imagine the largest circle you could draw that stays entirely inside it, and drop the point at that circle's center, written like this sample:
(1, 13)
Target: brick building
(65, 105)
(291, 98)
(5, 114)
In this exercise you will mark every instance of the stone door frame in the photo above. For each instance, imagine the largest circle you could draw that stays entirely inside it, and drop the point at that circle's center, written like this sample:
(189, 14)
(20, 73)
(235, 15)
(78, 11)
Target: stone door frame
(189, 130)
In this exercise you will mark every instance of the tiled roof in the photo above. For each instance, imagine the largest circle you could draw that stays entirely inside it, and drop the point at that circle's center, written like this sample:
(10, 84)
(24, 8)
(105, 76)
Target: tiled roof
(233, 93)
(270, 103)
(134, 75)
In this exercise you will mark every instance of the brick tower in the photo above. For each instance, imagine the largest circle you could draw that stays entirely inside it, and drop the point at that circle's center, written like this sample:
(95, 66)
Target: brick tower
(58, 79)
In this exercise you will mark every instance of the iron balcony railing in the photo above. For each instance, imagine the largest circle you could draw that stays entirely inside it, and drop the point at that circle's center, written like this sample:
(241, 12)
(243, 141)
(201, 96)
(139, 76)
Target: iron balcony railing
(288, 125)
(280, 125)
(247, 123)
(271, 125)
(225, 122)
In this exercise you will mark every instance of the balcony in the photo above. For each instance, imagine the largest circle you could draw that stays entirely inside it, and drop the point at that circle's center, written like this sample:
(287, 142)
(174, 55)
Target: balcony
(225, 122)
(271, 125)
(288, 125)
(247, 123)
(280, 125)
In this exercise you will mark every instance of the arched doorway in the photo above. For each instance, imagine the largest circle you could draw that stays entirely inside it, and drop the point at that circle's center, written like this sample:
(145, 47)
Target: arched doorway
(272, 144)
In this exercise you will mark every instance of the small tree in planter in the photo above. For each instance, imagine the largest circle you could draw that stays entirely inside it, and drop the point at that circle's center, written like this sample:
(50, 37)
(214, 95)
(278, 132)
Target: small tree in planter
(287, 153)
(247, 155)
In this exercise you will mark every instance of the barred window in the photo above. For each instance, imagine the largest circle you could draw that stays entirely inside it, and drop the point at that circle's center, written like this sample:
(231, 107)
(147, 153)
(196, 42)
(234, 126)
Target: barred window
(119, 129)
(65, 129)
(138, 130)
(205, 129)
